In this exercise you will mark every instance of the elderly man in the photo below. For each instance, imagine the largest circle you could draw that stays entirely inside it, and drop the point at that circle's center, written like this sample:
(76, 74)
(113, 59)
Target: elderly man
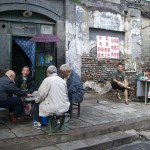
(74, 84)
(51, 96)
(7, 89)
(25, 80)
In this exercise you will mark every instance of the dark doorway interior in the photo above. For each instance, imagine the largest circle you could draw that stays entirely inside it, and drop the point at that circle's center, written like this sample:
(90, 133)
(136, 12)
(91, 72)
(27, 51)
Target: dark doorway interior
(19, 58)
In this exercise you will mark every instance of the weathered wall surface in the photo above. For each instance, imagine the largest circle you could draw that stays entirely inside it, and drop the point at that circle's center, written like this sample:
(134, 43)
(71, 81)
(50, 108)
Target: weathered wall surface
(145, 41)
(44, 12)
(84, 21)
(116, 18)
(77, 25)
(133, 42)
(80, 18)
(96, 74)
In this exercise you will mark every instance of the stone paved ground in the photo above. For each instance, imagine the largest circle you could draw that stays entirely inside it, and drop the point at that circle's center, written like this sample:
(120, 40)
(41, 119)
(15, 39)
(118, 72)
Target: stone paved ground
(92, 113)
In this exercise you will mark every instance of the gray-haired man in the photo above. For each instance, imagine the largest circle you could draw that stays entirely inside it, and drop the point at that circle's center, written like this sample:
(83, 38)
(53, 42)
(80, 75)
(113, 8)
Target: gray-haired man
(74, 84)
(51, 96)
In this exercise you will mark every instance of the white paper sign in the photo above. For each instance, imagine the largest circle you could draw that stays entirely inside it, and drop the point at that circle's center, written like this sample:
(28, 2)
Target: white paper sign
(107, 47)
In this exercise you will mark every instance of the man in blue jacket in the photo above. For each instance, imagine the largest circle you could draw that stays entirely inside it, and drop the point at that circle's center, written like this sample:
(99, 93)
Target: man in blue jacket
(74, 84)
(7, 90)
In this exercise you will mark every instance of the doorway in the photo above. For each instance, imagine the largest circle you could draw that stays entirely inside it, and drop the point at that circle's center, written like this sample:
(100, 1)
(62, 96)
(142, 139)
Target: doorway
(19, 57)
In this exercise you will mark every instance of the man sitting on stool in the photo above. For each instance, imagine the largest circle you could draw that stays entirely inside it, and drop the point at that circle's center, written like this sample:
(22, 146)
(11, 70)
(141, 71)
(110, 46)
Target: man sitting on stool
(74, 84)
(7, 89)
(119, 82)
(51, 97)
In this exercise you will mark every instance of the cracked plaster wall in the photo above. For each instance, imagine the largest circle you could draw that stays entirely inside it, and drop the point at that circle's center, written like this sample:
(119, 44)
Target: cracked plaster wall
(145, 41)
(133, 38)
(78, 22)
(82, 18)
(76, 38)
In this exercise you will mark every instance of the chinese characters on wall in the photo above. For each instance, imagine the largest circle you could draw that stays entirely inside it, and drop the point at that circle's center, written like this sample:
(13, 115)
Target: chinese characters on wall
(107, 47)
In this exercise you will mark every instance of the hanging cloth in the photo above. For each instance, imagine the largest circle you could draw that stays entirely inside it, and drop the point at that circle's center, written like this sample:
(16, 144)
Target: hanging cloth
(28, 47)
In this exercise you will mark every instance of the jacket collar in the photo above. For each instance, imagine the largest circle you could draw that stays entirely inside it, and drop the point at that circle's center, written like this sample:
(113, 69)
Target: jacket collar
(54, 74)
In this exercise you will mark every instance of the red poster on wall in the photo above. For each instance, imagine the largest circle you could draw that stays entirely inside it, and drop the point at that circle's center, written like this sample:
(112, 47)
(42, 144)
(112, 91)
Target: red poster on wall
(107, 47)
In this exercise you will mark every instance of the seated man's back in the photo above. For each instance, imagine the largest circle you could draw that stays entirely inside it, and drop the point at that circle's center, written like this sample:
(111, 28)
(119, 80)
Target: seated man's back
(52, 94)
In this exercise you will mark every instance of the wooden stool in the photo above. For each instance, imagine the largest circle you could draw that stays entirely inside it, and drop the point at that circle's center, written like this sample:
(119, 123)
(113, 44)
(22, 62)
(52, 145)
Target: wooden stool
(55, 129)
(74, 106)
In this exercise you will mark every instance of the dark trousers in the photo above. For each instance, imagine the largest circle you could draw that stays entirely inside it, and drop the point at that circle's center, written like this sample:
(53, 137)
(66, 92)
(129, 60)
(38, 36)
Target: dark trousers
(14, 104)
(35, 111)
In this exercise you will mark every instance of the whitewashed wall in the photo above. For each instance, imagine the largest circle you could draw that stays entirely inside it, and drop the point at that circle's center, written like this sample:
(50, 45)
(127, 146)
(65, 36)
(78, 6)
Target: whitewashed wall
(77, 32)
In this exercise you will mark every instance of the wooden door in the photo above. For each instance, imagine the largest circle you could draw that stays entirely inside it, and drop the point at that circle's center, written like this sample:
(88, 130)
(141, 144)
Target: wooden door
(45, 56)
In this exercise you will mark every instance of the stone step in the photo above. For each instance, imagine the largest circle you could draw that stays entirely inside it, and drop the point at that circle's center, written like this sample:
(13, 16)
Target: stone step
(42, 140)
(101, 142)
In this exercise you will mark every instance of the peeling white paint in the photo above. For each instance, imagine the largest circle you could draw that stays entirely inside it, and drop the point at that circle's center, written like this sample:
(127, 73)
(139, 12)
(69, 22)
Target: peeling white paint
(106, 20)
(77, 34)
(100, 89)
(136, 31)
(128, 48)
(136, 26)
(70, 32)
(114, 1)
(121, 47)
(75, 43)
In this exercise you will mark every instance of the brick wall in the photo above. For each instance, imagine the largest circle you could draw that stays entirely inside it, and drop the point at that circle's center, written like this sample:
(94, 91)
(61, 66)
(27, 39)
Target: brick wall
(96, 75)
(98, 70)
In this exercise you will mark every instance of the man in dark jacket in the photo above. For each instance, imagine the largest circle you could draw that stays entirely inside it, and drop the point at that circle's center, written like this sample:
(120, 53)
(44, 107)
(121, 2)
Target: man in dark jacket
(74, 84)
(7, 90)
(25, 81)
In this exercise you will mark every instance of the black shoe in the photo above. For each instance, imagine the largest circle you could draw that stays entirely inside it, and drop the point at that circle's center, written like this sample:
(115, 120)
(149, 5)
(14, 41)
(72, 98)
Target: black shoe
(127, 103)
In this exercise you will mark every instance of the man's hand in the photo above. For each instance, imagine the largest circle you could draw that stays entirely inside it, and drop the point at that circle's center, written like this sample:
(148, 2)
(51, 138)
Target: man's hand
(121, 84)
(29, 95)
